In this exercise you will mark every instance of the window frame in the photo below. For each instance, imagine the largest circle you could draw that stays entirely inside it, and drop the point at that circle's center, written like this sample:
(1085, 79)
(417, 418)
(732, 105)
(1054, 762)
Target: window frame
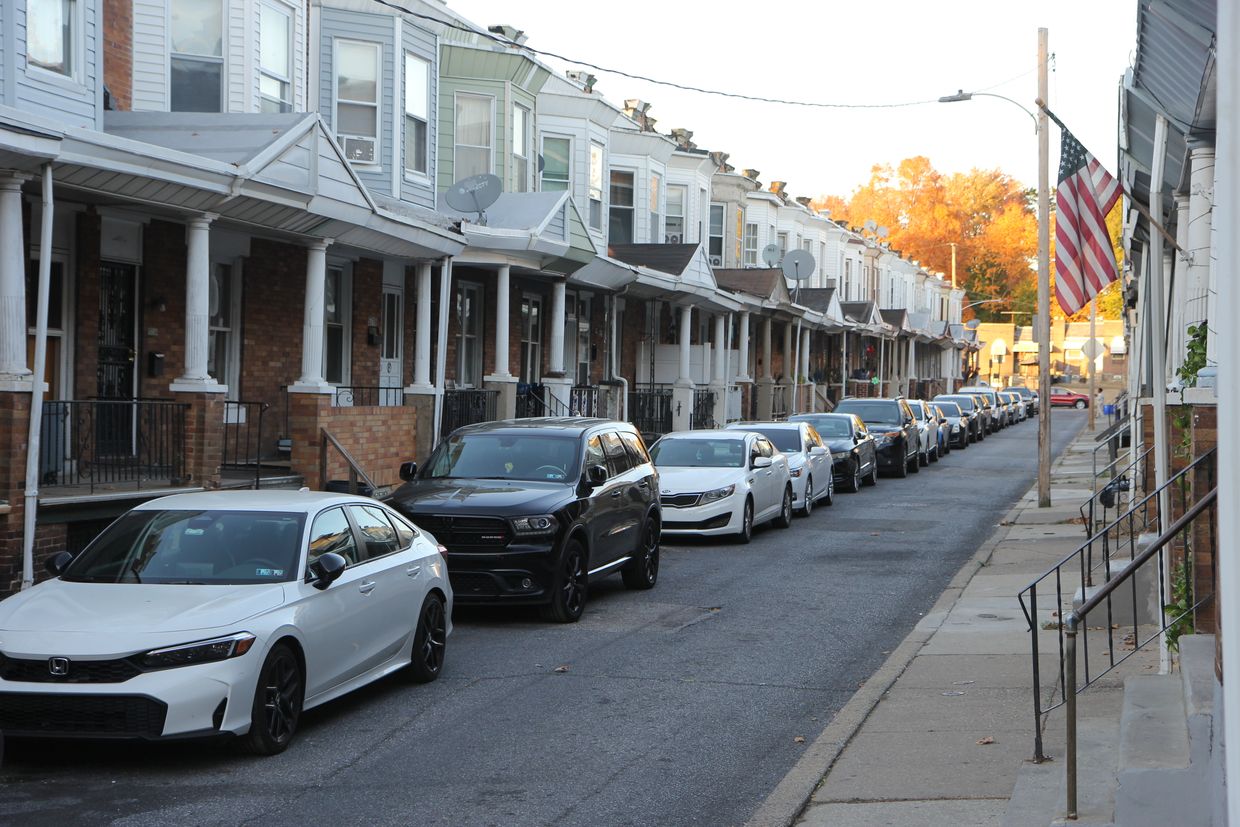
(414, 174)
(456, 144)
(568, 175)
(289, 15)
(655, 199)
(521, 177)
(750, 252)
(221, 60)
(595, 195)
(683, 216)
(232, 369)
(74, 50)
(376, 104)
(710, 229)
(479, 317)
(631, 208)
(346, 315)
(531, 340)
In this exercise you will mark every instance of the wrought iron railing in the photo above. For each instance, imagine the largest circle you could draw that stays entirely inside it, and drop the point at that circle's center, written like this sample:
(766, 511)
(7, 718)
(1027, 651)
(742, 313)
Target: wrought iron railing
(105, 442)
(779, 402)
(537, 400)
(1115, 548)
(703, 414)
(583, 400)
(466, 406)
(243, 437)
(358, 396)
(650, 408)
(1115, 494)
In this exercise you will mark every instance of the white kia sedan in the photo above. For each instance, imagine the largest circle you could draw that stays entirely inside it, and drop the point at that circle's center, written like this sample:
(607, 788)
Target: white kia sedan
(222, 613)
(809, 460)
(715, 483)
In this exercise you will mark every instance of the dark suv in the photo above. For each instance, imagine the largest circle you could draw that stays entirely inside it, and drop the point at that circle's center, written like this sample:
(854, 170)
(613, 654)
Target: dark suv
(530, 510)
(891, 423)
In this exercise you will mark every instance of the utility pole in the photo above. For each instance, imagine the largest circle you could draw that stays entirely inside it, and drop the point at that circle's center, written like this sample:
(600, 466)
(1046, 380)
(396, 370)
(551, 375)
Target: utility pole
(953, 246)
(1044, 283)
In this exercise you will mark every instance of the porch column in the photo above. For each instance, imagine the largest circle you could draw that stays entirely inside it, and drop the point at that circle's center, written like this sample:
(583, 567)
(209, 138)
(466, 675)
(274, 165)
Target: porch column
(720, 380)
(502, 380)
(13, 366)
(790, 372)
(766, 383)
(1200, 300)
(312, 380)
(720, 347)
(742, 373)
(559, 386)
(421, 394)
(682, 390)
(803, 370)
(198, 307)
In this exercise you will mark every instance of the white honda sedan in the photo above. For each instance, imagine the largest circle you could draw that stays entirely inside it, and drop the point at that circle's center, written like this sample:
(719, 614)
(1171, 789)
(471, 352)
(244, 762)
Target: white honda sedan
(809, 460)
(715, 483)
(222, 613)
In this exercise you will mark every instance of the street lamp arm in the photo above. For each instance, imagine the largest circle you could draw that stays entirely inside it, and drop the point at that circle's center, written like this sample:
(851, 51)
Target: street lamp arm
(962, 95)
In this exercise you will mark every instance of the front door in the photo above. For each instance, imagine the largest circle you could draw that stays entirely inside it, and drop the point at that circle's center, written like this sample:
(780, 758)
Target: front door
(391, 352)
(116, 355)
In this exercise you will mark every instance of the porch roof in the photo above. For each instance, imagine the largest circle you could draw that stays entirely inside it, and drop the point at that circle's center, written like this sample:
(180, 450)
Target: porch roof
(544, 227)
(825, 301)
(866, 318)
(765, 284)
(678, 272)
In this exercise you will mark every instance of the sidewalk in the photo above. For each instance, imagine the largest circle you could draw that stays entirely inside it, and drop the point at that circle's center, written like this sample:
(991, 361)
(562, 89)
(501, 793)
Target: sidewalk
(941, 732)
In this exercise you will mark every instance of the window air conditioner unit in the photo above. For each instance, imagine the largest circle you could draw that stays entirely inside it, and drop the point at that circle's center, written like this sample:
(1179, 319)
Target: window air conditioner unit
(360, 150)
(716, 261)
(673, 238)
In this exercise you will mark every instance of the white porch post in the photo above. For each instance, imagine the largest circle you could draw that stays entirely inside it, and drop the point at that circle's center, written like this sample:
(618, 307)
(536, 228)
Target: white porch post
(803, 370)
(720, 346)
(685, 333)
(198, 307)
(789, 368)
(559, 386)
(682, 390)
(13, 366)
(743, 339)
(502, 380)
(767, 373)
(766, 381)
(1200, 213)
(422, 331)
(312, 322)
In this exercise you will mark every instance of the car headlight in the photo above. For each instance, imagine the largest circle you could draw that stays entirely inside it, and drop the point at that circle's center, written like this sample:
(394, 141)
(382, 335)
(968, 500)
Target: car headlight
(203, 651)
(795, 472)
(719, 493)
(840, 455)
(956, 428)
(535, 525)
(886, 438)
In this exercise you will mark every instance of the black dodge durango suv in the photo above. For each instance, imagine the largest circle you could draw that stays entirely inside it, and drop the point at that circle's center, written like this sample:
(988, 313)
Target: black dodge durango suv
(531, 510)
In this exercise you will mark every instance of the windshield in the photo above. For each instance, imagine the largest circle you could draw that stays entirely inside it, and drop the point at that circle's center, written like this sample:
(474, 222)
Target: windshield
(698, 453)
(495, 456)
(193, 547)
(965, 402)
(888, 412)
(949, 408)
(919, 411)
(1025, 393)
(828, 427)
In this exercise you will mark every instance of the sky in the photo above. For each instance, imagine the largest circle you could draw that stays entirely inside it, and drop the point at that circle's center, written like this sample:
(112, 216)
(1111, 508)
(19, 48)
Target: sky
(827, 51)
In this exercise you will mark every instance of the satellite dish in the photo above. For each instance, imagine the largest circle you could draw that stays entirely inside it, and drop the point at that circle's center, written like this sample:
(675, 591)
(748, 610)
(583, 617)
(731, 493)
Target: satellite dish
(474, 194)
(882, 232)
(972, 323)
(770, 254)
(798, 265)
(871, 225)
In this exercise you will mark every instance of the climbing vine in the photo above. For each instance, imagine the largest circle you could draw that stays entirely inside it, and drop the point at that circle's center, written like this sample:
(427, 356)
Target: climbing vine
(1195, 357)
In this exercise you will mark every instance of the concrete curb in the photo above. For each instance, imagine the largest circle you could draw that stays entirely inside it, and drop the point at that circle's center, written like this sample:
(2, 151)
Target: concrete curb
(790, 797)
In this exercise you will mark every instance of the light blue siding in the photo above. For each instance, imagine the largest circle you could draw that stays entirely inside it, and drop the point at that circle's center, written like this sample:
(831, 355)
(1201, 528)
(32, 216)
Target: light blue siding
(420, 42)
(76, 101)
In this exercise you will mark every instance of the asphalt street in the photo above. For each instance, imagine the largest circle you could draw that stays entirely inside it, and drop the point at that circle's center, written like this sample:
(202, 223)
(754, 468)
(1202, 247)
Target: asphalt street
(678, 706)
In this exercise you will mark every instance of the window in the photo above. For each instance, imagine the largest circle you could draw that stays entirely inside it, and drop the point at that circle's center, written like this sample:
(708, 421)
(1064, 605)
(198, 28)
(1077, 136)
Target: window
(50, 35)
(703, 208)
(196, 62)
(848, 279)
(404, 532)
(417, 114)
(331, 532)
(555, 164)
(335, 315)
(781, 241)
(531, 339)
(377, 531)
(577, 336)
(596, 186)
(751, 245)
(594, 453)
(469, 339)
(656, 195)
(617, 459)
(674, 232)
(716, 235)
(357, 99)
(620, 217)
(393, 314)
(473, 136)
(220, 324)
(520, 148)
(637, 451)
(275, 59)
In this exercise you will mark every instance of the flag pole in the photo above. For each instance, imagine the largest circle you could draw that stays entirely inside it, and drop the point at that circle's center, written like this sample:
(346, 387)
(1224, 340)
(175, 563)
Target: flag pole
(1044, 284)
(1093, 361)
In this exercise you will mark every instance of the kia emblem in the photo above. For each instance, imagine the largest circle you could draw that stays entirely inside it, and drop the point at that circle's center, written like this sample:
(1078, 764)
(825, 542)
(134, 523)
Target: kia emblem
(58, 666)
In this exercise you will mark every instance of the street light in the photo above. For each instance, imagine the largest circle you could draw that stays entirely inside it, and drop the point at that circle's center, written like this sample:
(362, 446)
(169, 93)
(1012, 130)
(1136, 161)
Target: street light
(962, 95)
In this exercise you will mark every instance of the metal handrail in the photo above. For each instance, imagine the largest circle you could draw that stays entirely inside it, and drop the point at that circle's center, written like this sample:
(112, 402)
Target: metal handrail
(242, 442)
(355, 470)
(1075, 619)
(1087, 508)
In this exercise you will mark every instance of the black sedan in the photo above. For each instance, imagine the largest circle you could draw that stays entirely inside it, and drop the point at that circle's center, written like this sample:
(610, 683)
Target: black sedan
(895, 433)
(854, 459)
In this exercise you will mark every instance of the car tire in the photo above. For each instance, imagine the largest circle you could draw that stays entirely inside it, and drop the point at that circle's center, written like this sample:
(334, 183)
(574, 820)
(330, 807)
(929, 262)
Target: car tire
(923, 458)
(276, 709)
(808, 507)
(784, 520)
(830, 491)
(914, 465)
(854, 485)
(1080, 405)
(643, 572)
(933, 456)
(568, 599)
(902, 468)
(872, 479)
(430, 640)
(746, 533)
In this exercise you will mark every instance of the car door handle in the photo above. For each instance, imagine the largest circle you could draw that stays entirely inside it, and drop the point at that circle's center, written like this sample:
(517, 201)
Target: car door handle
(413, 571)
(643, 484)
(616, 493)
(366, 586)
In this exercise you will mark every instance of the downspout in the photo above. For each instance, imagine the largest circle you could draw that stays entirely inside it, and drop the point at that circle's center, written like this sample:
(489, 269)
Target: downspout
(441, 345)
(36, 389)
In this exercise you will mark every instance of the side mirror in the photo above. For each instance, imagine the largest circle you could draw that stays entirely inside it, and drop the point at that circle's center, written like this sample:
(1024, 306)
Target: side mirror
(907, 422)
(408, 470)
(58, 562)
(761, 462)
(860, 435)
(818, 450)
(596, 475)
(327, 569)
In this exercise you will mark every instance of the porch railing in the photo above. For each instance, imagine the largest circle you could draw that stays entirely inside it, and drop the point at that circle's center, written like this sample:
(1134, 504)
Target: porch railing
(1115, 494)
(356, 396)
(583, 400)
(779, 402)
(1116, 549)
(113, 442)
(243, 437)
(536, 401)
(466, 406)
(703, 414)
(650, 408)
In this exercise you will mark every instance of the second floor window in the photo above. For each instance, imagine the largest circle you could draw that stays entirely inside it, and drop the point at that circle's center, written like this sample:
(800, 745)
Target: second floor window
(596, 186)
(275, 60)
(50, 34)
(781, 241)
(656, 195)
(196, 61)
(520, 148)
(716, 235)
(417, 114)
(751, 245)
(620, 218)
(473, 136)
(555, 164)
(357, 99)
(674, 232)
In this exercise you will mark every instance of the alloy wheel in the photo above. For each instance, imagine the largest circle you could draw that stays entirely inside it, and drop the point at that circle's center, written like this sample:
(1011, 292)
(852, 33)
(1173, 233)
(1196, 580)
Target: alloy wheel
(435, 636)
(282, 698)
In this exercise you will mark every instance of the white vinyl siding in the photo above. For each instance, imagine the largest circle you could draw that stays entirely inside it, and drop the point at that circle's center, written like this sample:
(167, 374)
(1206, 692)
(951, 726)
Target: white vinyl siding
(358, 74)
(71, 91)
(417, 115)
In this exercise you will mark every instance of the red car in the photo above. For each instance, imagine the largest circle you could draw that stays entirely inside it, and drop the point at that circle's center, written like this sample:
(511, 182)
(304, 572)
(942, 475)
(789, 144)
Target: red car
(1064, 398)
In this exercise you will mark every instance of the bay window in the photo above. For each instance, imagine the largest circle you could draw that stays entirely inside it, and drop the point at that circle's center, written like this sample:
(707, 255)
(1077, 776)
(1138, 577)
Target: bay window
(417, 114)
(620, 218)
(196, 60)
(555, 164)
(473, 133)
(275, 59)
(357, 99)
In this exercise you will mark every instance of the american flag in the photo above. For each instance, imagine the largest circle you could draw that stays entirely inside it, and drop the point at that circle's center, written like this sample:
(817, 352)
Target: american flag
(1084, 258)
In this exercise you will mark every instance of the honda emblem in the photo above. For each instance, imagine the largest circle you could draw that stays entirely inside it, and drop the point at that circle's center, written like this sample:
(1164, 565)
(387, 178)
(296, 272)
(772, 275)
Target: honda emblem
(58, 666)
